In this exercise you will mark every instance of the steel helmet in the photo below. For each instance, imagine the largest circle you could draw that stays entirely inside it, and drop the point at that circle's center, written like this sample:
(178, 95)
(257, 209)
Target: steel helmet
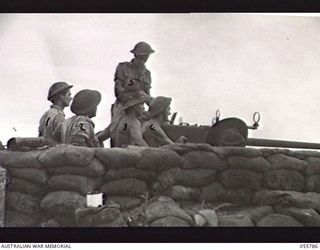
(57, 88)
(158, 105)
(84, 101)
(142, 48)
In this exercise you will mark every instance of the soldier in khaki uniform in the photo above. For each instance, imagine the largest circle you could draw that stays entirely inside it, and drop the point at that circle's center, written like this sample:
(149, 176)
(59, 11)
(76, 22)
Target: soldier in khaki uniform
(132, 76)
(78, 130)
(126, 130)
(153, 134)
(50, 123)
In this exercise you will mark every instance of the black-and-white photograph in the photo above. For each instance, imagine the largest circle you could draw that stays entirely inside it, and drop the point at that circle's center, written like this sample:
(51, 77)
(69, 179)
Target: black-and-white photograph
(160, 120)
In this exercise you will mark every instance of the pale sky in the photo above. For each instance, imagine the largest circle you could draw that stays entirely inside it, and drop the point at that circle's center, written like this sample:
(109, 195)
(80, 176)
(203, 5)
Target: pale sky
(237, 63)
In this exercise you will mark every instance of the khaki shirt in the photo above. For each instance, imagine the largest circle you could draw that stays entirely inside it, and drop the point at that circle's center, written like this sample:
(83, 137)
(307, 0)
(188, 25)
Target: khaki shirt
(129, 77)
(154, 135)
(78, 130)
(127, 131)
(50, 124)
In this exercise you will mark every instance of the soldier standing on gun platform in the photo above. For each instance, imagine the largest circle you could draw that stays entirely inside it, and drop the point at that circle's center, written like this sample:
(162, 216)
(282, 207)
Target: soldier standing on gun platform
(50, 123)
(132, 76)
(78, 130)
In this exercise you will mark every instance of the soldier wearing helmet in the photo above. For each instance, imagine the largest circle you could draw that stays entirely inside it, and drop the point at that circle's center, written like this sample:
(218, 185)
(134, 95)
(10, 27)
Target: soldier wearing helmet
(50, 123)
(78, 130)
(153, 134)
(132, 76)
(126, 130)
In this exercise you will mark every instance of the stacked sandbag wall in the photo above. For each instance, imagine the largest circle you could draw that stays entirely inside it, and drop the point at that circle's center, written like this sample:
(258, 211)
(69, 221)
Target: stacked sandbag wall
(162, 186)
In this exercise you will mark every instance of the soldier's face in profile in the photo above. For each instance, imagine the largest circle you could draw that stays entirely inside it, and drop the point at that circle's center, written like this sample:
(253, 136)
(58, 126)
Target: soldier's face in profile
(66, 98)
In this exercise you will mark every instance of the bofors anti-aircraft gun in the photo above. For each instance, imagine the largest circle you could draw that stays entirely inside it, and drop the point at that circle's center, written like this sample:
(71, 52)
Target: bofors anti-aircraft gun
(228, 132)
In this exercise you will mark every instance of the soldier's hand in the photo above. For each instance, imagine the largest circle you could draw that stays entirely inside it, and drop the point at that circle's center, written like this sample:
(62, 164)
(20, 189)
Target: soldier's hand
(182, 139)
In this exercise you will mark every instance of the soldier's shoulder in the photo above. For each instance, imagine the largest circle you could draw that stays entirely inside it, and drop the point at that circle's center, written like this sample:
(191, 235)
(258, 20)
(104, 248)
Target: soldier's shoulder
(123, 64)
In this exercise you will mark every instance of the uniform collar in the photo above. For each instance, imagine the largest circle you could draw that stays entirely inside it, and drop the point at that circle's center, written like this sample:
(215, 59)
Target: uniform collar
(57, 108)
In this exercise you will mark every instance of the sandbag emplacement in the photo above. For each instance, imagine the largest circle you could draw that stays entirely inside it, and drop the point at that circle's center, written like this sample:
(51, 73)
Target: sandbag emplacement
(117, 157)
(22, 203)
(126, 202)
(160, 207)
(77, 183)
(126, 187)
(94, 216)
(124, 173)
(26, 187)
(94, 169)
(62, 202)
(202, 159)
(192, 177)
(35, 175)
(66, 155)
(13, 159)
(19, 219)
(157, 159)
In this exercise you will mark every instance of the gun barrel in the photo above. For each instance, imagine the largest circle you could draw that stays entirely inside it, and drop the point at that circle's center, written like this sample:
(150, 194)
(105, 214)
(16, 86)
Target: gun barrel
(258, 142)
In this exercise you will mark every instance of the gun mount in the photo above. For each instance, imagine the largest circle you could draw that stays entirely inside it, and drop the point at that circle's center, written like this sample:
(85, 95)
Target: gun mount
(230, 132)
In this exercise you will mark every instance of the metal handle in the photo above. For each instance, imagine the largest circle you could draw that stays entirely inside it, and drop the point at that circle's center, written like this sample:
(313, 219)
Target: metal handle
(216, 118)
(256, 119)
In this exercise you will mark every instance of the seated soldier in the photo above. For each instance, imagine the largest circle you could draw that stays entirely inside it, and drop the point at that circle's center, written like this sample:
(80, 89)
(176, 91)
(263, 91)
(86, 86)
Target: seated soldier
(78, 130)
(50, 123)
(126, 130)
(153, 134)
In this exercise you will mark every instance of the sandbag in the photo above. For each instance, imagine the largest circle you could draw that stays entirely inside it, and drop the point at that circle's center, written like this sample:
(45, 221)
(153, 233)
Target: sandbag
(284, 179)
(313, 167)
(94, 169)
(66, 155)
(179, 193)
(126, 202)
(257, 164)
(157, 159)
(291, 199)
(192, 177)
(78, 183)
(127, 187)
(313, 183)
(34, 175)
(162, 206)
(117, 222)
(213, 192)
(183, 148)
(235, 220)
(287, 162)
(26, 187)
(169, 221)
(61, 202)
(18, 219)
(278, 220)
(20, 202)
(307, 216)
(117, 157)
(241, 178)
(202, 159)
(13, 159)
(243, 196)
(92, 216)
(123, 173)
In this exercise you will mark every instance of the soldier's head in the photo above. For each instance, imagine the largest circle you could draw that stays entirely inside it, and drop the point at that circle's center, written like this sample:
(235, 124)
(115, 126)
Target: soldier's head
(160, 108)
(142, 51)
(134, 101)
(85, 102)
(60, 94)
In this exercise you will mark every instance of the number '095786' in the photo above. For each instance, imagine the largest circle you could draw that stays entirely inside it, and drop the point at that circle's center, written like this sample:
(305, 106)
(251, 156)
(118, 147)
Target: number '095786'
(309, 245)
